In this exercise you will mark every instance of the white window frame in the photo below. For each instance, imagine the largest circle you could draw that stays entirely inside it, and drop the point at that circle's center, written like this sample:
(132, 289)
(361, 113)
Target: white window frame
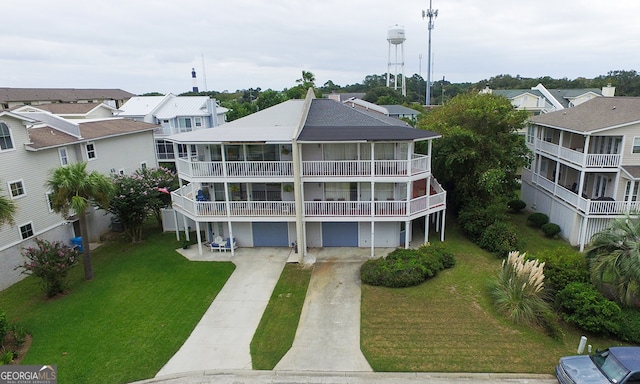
(121, 171)
(24, 190)
(64, 156)
(635, 148)
(20, 232)
(47, 196)
(197, 122)
(143, 165)
(92, 151)
(13, 145)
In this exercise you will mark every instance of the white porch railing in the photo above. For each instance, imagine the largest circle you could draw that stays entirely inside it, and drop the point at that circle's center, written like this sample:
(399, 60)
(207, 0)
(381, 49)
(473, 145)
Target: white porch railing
(589, 207)
(591, 160)
(419, 164)
(234, 168)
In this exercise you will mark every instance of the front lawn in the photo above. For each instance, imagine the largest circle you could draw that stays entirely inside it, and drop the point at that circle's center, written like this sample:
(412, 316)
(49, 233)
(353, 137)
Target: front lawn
(124, 325)
(447, 324)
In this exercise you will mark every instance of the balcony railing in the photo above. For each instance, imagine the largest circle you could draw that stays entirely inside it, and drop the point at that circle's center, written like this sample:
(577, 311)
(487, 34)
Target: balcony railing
(389, 208)
(588, 206)
(207, 169)
(419, 164)
(591, 160)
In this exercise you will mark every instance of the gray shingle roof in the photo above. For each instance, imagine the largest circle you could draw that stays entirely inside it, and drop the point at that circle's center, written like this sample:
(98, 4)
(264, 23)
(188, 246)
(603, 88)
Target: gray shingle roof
(329, 120)
(400, 110)
(600, 113)
(61, 94)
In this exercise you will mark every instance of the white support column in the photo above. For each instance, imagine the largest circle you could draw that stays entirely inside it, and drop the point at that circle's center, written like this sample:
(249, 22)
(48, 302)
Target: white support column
(199, 238)
(175, 220)
(585, 150)
(373, 200)
(426, 228)
(407, 232)
(231, 239)
(583, 232)
(442, 229)
(437, 221)
(186, 228)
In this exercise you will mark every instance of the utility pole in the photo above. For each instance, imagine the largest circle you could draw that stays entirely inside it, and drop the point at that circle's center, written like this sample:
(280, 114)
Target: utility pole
(431, 14)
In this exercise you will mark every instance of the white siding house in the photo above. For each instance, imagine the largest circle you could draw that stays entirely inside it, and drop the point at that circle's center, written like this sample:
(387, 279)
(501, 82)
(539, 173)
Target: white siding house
(175, 114)
(310, 173)
(586, 166)
(32, 144)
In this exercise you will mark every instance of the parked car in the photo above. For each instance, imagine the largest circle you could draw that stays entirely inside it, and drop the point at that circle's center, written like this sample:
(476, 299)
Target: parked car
(614, 365)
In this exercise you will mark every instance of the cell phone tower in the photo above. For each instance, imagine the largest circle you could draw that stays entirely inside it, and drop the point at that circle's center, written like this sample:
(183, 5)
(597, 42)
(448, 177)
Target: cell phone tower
(395, 37)
(431, 14)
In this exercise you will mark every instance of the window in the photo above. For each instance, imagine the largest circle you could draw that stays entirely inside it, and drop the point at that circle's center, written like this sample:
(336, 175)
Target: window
(198, 121)
(16, 188)
(631, 194)
(165, 150)
(531, 131)
(143, 165)
(64, 159)
(26, 231)
(48, 196)
(5, 137)
(91, 151)
(184, 123)
(121, 171)
(636, 145)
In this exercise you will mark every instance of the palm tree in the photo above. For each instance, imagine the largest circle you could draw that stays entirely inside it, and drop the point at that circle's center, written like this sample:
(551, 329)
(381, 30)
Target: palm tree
(615, 258)
(7, 210)
(73, 188)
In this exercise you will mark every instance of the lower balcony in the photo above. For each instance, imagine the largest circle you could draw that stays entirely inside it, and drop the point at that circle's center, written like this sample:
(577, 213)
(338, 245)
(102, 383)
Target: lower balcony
(183, 200)
(600, 206)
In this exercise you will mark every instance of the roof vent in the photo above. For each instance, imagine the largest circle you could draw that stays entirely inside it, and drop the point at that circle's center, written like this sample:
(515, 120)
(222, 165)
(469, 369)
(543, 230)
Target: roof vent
(614, 107)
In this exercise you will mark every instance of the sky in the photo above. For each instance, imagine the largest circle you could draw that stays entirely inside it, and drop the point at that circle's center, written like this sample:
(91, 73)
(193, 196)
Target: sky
(151, 45)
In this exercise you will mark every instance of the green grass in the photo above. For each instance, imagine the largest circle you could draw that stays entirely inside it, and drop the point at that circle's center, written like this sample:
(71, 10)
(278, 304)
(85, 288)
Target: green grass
(532, 239)
(448, 324)
(125, 324)
(277, 329)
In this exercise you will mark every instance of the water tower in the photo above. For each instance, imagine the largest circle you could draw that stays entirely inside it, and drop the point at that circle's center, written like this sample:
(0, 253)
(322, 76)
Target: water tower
(395, 37)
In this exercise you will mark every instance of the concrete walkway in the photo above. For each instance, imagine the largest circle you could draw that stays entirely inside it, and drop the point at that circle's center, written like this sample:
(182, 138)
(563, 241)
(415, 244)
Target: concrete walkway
(328, 335)
(222, 337)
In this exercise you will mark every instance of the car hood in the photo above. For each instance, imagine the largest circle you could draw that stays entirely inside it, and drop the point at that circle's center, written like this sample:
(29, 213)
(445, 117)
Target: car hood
(582, 370)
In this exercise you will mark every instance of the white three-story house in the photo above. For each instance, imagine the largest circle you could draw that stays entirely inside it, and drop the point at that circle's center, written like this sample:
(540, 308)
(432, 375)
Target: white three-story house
(586, 166)
(309, 173)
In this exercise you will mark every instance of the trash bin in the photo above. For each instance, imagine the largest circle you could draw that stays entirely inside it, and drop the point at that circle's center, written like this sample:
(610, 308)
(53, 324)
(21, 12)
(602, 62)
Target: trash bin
(76, 242)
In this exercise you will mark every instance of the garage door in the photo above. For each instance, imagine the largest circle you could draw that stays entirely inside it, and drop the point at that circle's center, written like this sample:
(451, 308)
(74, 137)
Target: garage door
(339, 234)
(270, 235)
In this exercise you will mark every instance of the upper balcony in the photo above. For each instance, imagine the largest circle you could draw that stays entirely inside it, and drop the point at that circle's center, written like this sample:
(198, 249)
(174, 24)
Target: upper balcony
(587, 206)
(577, 156)
(193, 169)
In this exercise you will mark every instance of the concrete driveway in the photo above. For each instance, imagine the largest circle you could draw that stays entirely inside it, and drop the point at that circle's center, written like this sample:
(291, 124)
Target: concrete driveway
(222, 337)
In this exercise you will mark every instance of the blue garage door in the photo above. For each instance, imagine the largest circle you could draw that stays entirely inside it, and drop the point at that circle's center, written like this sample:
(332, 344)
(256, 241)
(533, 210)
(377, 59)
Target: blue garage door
(339, 234)
(270, 235)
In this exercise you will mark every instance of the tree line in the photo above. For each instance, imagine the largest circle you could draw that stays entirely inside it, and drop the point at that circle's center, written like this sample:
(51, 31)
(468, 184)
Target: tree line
(243, 102)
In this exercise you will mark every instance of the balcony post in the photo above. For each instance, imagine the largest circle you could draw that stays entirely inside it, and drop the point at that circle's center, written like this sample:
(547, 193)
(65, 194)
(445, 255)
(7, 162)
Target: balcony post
(585, 150)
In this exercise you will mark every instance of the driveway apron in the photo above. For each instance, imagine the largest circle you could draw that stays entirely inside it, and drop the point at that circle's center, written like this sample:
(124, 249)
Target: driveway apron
(328, 334)
(222, 337)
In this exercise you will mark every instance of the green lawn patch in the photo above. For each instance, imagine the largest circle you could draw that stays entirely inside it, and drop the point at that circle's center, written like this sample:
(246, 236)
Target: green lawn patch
(125, 324)
(277, 329)
(448, 324)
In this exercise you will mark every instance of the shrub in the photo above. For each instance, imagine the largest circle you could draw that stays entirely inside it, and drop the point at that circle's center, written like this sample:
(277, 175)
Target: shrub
(518, 293)
(50, 262)
(563, 266)
(499, 238)
(406, 267)
(629, 325)
(4, 327)
(550, 229)
(516, 205)
(538, 219)
(475, 219)
(585, 307)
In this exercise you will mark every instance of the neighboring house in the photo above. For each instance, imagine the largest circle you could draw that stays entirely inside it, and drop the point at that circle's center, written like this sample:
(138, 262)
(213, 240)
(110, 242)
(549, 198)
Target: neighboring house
(12, 97)
(395, 111)
(309, 173)
(539, 100)
(586, 166)
(33, 142)
(341, 97)
(401, 112)
(175, 114)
